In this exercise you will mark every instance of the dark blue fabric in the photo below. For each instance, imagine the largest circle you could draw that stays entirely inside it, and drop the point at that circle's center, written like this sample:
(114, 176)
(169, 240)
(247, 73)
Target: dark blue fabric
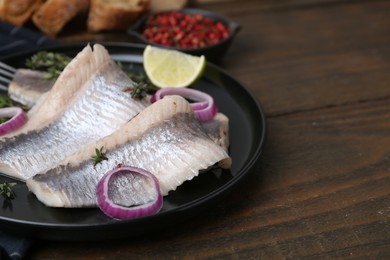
(15, 39)
(13, 247)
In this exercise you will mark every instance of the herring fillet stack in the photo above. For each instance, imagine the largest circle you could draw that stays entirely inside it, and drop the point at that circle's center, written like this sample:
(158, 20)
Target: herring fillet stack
(90, 107)
(165, 139)
(88, 101)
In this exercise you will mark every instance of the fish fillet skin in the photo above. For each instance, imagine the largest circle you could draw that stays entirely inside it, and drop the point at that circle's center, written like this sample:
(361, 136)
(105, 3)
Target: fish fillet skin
(74, 80)
(27, 86)
(165, 139)
(218, 130)
(94, 104)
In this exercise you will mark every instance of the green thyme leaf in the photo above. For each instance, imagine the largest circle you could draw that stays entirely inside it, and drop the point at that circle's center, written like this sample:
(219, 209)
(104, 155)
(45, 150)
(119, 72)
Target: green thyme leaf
(99, 157)
(53, 63)
(5, 101)
(139, 90)
(142, 85)
(119, 63)
(6, 190)
(4, 119)
(138, 77)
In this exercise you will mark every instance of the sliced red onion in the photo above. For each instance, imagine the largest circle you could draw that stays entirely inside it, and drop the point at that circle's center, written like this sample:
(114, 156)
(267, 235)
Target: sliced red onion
(120, 212)
(204, 108)
(18, 119)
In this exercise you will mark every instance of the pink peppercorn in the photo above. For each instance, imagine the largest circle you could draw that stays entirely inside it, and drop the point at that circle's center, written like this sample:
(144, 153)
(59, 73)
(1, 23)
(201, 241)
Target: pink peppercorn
(180, 30)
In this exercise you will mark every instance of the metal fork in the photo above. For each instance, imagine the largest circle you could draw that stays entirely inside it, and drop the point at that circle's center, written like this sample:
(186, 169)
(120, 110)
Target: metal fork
(6, 74)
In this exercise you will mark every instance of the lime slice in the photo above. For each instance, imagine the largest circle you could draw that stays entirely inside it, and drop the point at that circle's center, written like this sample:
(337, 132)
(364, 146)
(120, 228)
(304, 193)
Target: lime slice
(171, 68)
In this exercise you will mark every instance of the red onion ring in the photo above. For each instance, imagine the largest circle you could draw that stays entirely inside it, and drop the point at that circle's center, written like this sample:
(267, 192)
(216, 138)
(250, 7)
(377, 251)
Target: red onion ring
(18, 119)
(120, 212)
(205, 107)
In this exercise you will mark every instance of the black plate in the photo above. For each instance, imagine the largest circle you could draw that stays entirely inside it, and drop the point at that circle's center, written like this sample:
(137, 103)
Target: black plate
(27, 216)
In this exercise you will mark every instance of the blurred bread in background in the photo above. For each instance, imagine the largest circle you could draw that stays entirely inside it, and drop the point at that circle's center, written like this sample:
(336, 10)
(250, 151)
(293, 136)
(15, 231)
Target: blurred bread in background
(53, 15)
(18, 12)
(159, 5)
(108, 15)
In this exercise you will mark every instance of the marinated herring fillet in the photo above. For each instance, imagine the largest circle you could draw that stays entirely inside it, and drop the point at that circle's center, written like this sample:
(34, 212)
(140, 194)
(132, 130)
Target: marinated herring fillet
(91, 70)
(27, 86)
(218, 130)
(89, 101)
(165, 139)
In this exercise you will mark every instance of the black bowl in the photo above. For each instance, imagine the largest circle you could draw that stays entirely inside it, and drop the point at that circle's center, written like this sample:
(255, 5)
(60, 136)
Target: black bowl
(213, 52)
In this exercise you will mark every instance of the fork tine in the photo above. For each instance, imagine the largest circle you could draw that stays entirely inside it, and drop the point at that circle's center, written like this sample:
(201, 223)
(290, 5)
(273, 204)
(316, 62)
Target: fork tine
(4, 79)
(4, 83)
(7, 67)
(6, 75)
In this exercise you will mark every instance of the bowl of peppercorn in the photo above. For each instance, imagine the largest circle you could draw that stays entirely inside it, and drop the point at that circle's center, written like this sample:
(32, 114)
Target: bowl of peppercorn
(193, 31)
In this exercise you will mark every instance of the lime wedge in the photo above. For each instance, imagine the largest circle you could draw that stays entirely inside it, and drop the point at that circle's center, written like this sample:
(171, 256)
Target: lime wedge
(171, 68)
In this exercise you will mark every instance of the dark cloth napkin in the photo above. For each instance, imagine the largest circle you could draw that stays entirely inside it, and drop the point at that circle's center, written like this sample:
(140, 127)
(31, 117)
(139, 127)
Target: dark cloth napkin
(13, 247)
(13, 40)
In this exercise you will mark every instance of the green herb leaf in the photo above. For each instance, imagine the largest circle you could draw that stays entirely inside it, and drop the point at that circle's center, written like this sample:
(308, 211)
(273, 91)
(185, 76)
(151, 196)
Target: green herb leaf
(99, 157)
(5, 101)
(142, 85)
(138, 77)
(119, 63)
(6, 190)
(4, 119)
(53, 63)
(139, 90)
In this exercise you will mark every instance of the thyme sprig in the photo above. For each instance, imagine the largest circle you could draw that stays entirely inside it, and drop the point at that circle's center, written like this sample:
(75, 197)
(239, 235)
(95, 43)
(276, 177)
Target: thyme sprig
(139, 90)
(99, 157)
(4, 119)
(142, 86)
(6, 190)
(5, 102)
(138, 77)
(52, 62)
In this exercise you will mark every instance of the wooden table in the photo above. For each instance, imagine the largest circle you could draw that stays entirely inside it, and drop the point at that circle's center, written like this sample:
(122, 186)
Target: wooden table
(321, 189)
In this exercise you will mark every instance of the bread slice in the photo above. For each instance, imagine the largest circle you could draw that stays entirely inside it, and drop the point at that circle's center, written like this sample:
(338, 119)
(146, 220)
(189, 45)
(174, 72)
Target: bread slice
(17, 12)
(159, 5)
(107, 15)
(53, 15)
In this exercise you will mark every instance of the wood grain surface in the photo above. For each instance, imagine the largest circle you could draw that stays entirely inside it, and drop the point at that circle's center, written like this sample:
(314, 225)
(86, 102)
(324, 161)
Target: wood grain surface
(321, 189)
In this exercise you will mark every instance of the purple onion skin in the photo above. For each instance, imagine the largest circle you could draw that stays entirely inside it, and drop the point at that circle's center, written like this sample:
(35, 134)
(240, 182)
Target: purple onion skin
(204, 109)
(120, 212)
(18, 119)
